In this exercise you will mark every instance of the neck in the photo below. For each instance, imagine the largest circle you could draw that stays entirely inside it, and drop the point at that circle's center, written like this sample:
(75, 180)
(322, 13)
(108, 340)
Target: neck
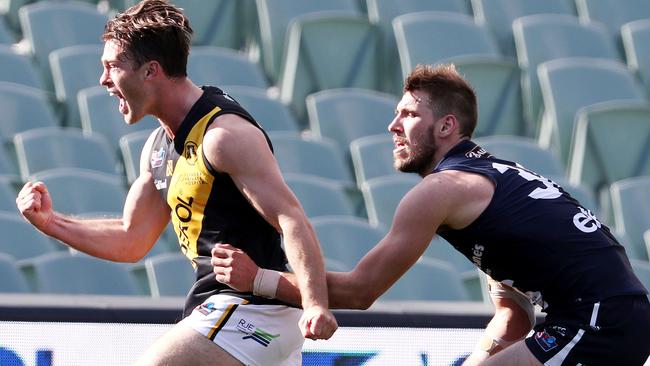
(174, 100)
(443, 148)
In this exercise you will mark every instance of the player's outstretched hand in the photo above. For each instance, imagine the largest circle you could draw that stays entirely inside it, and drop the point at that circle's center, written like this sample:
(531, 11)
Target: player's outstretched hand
(317, 323)
(233, 267)
(35, 204)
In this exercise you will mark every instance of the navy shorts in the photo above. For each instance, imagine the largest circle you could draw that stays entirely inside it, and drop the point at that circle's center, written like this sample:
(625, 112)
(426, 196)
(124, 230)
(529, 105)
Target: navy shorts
(615, 331)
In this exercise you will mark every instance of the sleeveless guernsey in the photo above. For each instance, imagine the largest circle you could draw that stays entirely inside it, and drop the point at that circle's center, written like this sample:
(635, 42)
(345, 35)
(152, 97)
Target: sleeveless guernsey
(206, 206)
(535, 237)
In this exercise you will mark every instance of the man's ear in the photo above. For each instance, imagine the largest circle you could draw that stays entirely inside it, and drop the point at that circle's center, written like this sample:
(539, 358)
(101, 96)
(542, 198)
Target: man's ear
(448, 125)
(152, 69)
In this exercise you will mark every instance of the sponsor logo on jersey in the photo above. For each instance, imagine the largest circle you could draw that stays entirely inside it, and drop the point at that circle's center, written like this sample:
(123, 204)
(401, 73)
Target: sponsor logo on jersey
(157, 158)
(160, 183)
(477, 152)
(190, 152)
(206, 308)
(477, 254)
(546, 341)
(258, 335)
(586, 221)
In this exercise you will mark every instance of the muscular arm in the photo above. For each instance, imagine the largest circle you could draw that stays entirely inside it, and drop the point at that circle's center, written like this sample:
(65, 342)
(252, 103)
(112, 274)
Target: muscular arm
(238, 148)
(125, 239)
(452, 198)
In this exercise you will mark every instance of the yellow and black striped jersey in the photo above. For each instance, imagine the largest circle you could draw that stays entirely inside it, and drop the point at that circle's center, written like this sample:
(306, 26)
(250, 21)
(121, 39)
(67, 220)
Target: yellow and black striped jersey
(206, 205)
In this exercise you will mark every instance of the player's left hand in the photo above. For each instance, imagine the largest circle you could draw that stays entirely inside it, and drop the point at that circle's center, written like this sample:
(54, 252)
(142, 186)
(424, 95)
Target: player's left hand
(317, 323)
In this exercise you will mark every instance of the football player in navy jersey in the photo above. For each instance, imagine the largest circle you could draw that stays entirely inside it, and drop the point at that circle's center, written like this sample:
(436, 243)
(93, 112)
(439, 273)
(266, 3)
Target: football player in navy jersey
(537, 245)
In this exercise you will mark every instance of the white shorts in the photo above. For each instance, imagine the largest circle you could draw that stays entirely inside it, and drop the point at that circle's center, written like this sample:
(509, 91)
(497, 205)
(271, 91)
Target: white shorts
(253, 334)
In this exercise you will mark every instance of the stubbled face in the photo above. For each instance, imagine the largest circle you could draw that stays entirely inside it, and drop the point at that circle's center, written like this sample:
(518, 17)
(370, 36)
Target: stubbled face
(122, 80)
(413, 136)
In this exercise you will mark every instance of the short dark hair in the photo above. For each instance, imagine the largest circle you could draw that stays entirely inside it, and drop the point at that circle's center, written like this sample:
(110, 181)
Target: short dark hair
(450, 93)
(153, 30)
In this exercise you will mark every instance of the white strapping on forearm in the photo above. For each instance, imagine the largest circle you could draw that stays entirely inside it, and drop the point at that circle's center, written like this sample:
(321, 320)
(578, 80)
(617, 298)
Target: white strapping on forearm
(266, 283)
(522, 300)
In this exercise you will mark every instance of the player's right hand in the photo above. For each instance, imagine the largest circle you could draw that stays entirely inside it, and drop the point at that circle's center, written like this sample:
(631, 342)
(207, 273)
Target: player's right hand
(35, 204)
(317, 323)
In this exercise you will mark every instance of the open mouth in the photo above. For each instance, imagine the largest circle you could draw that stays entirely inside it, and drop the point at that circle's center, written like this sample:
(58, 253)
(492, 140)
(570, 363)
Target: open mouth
(122, 107)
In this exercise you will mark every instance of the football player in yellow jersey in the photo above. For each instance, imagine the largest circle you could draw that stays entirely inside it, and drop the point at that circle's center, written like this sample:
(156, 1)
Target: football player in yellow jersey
(211, 169)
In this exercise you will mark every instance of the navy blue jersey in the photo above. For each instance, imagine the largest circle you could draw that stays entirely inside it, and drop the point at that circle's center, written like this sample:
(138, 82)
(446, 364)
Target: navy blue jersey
(537, 238)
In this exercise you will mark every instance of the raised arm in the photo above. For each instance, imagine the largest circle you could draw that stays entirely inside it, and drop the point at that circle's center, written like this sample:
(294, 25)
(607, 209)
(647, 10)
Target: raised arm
(125, 239)
(238, 148)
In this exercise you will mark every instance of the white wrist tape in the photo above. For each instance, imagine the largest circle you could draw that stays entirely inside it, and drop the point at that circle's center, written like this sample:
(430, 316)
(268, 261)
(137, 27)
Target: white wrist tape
(487, 344)
(499, 290)
(266, 283)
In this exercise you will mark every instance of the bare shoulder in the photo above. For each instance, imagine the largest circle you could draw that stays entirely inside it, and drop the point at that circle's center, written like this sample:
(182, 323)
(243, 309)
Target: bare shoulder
(465, 195)
(230, 140)
(146, 151)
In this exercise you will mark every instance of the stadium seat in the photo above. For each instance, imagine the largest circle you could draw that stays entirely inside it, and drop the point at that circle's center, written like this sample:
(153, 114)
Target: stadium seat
(472, 278)
(275, 17)
(75, 68)
(583, 194)
(63, 273)
(382, 195)
(453, 34)
(13, 280)
(524, 151)
(6, 36)
(169, 274)
(498, 15)
(569, 84)
(9, 11)
(347, 114)
(346, 239)
(78, 191)
(216, 22)
(21, 240)
(612, 13)
(49, 148)
(611, 141)
(7, 195)
(84, 24)
(440, 249)
(131, 145)
(320, 196)
(18, 68)
(642, 271)
(23, 108)
(476, 56)
(217, 66)
(100, 115)
(382, 13)
(313, 62)
(428, 279)
(8, 165)
(270, 113)
(545, 37)
(318, 157)
(496, 83)
(631, 205)
(636, 42)
(372, 156)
